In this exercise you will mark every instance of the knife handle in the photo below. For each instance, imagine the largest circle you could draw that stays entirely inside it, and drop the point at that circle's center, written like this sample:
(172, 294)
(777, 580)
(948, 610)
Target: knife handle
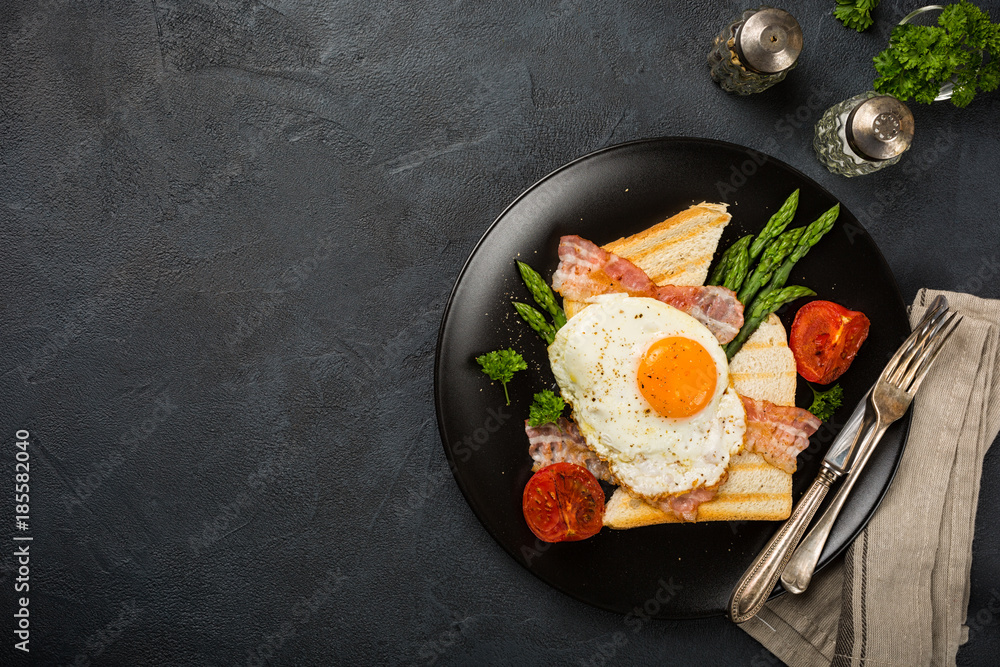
(758, 581)
(801, 567)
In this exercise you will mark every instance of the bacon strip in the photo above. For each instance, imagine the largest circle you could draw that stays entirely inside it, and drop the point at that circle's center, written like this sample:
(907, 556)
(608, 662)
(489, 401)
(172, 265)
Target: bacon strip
(685, 505)
(562, 441)
(715, 307)
(586, 270)
(778, 433)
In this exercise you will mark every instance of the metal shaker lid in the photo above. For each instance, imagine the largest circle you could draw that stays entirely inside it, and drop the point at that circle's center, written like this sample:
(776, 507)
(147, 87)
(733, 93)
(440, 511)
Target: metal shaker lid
(769, 42)
(880, 128)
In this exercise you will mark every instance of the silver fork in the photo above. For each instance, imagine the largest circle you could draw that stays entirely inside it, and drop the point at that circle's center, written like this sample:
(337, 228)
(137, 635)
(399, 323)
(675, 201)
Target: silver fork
(889, 400)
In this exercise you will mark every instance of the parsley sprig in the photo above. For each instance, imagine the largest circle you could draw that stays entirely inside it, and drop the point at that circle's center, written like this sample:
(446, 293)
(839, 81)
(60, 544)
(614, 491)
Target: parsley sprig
(547, 407)
(501, 365)
(856, 14)
(963, 48)
(826, 402)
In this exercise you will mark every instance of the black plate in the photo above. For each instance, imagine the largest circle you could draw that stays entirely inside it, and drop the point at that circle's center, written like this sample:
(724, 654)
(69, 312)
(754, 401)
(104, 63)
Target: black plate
(667, 571)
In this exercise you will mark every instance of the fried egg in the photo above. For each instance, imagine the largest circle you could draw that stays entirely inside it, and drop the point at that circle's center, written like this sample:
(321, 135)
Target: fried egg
(649, 388)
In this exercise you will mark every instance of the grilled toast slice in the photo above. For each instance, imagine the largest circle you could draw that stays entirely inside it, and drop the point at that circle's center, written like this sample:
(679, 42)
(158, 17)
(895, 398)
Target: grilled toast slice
(677, 251)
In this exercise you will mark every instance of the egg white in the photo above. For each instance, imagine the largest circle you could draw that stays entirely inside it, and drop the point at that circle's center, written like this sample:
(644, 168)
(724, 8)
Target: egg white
(595, 358)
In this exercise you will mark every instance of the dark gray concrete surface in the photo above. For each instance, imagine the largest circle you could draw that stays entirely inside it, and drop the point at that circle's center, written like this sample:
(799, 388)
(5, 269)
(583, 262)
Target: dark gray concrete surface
(228, 233)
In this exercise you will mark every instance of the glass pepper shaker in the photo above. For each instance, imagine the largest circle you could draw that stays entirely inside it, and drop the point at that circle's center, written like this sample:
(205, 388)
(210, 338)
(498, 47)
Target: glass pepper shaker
(755, 51)
(863, 134)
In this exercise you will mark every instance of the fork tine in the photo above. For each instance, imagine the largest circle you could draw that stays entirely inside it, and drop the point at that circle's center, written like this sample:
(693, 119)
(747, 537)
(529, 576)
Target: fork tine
(916, 376)
(893, 364)
(928, 331)
(916, 343)
(937, 308)
(906, 374)
(938, 304)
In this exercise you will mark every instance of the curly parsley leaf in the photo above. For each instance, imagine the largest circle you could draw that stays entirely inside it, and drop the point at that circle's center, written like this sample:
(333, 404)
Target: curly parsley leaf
(856, 14)
(547, 407)
(964, 49)
(501, 365)
(825, 402)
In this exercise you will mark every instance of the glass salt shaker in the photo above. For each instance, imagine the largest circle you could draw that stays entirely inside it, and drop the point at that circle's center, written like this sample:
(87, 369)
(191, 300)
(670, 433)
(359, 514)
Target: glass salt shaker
(863, 134)
(755, 51)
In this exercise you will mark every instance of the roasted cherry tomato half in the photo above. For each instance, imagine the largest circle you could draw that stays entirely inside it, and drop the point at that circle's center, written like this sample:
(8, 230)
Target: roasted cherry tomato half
(563, 502)
(825, 339)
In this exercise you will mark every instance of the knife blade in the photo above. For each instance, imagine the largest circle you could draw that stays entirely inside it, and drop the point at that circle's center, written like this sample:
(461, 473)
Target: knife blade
(838, 457)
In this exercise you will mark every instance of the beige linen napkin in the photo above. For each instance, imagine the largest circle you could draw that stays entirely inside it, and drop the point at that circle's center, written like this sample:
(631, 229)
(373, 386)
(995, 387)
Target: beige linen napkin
(901, 593)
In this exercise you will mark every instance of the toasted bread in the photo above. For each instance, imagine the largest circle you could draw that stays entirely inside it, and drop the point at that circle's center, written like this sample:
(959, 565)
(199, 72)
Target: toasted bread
(764, 368)
(679, 251)
(754, 491)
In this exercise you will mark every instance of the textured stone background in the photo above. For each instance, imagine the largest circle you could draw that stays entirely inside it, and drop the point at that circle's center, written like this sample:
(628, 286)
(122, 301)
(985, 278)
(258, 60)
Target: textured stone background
(228, 233)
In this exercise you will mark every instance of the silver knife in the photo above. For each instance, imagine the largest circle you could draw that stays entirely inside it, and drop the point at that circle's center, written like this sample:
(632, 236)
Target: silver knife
(838, 457)
(845, 455)
(753, 589)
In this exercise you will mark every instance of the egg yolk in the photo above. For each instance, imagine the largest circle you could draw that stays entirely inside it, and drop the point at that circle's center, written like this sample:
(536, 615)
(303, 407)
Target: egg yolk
(677, 376)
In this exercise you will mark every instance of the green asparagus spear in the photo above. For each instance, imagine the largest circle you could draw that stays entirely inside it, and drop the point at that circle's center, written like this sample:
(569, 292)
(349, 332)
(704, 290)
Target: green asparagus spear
(771, 300)
(814, 232)
(738, 265)
(536, 321)
(772, 258)
(542, 294)
(719, 272)
(781, 219)
(764, 305)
